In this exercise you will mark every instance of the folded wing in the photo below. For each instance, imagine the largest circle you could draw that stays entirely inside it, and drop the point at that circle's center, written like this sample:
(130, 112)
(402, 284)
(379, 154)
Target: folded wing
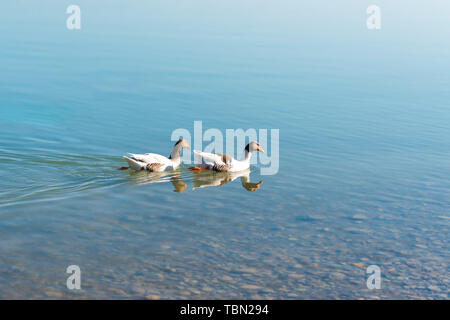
(209, 158)
(150, 158)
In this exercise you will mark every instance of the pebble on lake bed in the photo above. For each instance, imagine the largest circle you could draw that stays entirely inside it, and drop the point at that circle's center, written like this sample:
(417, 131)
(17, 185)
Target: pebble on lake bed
(250, 287)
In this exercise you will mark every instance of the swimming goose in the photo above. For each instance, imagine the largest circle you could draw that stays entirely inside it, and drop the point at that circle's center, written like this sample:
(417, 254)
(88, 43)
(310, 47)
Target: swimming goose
(155, 162)
(225, 163)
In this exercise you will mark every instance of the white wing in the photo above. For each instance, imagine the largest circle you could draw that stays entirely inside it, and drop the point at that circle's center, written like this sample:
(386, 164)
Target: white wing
(151, 158)
(136, 165)
(208, 158)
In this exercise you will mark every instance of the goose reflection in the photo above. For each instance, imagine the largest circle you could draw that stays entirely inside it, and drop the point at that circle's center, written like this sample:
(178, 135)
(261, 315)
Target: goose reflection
(216, 179)
(200, 180)
(145, 177)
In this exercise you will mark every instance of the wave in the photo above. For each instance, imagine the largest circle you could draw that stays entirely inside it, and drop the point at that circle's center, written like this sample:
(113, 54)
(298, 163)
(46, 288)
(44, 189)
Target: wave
(36, 177)
(29, 178)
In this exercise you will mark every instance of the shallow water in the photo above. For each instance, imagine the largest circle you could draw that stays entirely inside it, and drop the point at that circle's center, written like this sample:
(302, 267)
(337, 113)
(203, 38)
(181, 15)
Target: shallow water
(364, 173)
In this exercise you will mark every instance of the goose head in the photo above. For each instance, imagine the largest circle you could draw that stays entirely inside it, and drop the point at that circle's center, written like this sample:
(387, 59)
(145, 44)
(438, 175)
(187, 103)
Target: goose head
(182, 143)
(177, 148)
(254, 146)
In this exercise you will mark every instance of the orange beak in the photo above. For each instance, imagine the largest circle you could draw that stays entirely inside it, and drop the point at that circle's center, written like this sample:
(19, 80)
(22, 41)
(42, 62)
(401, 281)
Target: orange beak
(260, 149)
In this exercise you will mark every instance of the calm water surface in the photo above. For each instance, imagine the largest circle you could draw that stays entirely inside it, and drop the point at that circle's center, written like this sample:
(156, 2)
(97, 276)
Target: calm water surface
(364, 150)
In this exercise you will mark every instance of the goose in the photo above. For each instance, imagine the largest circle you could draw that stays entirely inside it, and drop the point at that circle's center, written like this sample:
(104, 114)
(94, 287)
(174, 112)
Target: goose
(225, 163)
(155, 162)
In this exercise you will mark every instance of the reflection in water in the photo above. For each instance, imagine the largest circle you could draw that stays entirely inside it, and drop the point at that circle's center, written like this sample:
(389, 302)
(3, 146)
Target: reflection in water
(200, 180)
(146, 177)
(215, 179)
(72, 175)
(178, 184)
(250, 186)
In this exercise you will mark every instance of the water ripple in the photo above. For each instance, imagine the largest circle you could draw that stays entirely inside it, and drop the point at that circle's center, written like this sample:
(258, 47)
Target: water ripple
(70, 175)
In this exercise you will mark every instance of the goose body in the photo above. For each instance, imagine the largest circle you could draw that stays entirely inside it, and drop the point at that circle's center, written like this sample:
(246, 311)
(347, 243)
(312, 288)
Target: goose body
(155, 162)
(224, 163)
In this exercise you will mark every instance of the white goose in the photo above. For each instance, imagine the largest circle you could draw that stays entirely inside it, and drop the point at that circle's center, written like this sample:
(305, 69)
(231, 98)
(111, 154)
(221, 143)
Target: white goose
(225, 163)
(155, 162)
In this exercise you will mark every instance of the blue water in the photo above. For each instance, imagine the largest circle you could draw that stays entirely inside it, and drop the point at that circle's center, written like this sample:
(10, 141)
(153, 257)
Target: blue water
(364, 144)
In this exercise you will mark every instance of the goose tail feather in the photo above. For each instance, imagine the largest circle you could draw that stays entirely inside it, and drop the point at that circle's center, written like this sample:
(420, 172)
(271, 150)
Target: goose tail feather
(136, 165)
